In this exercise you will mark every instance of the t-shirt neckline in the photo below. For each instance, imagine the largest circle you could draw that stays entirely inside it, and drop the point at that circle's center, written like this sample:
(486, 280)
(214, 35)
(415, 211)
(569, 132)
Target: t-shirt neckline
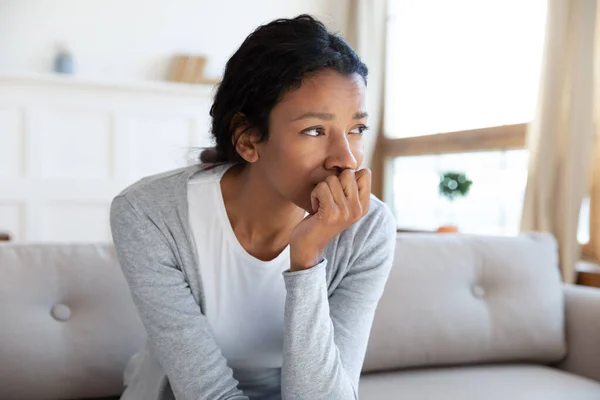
(228, 229)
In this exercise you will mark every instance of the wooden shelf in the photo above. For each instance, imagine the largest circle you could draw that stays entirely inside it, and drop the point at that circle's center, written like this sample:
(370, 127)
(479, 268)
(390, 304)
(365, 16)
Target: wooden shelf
(162, 87)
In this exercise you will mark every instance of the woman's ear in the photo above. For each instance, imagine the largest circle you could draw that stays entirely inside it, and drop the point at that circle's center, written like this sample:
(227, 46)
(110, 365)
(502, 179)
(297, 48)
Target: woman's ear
(244, 138)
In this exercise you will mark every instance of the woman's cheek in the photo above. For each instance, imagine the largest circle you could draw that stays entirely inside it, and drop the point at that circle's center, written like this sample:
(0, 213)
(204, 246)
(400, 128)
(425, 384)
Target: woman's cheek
(358, 151)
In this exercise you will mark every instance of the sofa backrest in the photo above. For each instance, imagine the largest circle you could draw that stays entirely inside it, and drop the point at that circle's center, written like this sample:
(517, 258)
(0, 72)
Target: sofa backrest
(456, 299)
(68, 325)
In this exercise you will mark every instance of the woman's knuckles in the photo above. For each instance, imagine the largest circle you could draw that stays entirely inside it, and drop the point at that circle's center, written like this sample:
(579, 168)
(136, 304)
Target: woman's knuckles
(332, 179)
(322, 187)
(343, 216)
(347, 176)
(356, 213)
(331, 218)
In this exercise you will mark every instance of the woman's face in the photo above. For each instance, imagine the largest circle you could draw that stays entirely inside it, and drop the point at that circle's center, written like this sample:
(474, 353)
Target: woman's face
(314, 131)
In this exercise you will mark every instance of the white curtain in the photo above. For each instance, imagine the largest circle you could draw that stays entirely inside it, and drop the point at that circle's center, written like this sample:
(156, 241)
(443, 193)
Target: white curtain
(561, 137)
(366, 33)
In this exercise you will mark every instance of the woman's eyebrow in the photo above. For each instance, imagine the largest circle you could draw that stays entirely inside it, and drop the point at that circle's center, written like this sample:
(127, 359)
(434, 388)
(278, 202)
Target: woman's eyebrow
(328, 116)
(318, 115)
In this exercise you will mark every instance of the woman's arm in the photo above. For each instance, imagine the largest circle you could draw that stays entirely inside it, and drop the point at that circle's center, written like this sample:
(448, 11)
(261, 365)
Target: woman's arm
(178, 332)
(325, 339)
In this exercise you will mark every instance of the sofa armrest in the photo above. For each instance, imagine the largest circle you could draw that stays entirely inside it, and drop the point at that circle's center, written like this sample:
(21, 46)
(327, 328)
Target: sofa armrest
(582, 314)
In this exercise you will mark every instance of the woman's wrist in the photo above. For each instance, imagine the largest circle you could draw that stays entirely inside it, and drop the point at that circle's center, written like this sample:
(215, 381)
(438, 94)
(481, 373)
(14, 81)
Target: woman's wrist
(305, 259)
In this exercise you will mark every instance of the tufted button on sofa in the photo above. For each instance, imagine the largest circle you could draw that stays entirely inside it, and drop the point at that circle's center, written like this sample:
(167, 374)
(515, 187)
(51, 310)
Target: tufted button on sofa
(67, 323)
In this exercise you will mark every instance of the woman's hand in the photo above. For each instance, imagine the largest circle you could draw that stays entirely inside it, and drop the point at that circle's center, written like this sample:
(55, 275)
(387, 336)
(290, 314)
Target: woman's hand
(337, 203)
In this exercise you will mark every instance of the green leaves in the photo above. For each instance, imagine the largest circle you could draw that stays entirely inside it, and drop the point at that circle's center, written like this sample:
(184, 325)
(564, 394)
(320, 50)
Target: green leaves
(454, 184)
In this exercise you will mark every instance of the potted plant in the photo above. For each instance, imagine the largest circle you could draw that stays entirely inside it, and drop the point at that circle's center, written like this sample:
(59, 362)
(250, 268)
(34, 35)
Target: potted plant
(452, 186)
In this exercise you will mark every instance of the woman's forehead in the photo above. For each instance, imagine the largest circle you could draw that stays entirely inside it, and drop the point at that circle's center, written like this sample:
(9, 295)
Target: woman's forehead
(330, 82)
(325, 92)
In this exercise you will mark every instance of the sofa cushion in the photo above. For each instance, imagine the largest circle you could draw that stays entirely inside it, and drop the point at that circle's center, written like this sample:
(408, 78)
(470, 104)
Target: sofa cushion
(455, 299)
(68, 324)
(501, 382)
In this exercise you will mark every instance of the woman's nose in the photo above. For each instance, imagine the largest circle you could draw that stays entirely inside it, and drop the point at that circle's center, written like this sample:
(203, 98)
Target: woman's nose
(339, 154)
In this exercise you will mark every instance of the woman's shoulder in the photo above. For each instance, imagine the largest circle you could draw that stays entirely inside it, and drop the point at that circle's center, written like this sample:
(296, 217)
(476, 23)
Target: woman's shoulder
(163, 196)
(160, 187)
(169, 185)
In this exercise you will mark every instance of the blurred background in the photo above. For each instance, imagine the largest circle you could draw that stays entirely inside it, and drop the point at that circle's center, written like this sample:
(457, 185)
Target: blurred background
(484, 112)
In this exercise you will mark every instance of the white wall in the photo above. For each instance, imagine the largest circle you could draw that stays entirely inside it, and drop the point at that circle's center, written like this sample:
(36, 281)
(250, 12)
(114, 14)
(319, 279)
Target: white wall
(134, 39)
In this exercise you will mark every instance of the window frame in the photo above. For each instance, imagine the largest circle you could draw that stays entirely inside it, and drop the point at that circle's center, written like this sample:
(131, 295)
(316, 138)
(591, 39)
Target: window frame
(498, 138)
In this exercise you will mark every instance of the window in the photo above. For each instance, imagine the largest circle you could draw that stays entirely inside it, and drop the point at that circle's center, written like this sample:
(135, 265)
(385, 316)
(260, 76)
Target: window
(493, 205)
(461, 65)
(461, 85)
(583, 233)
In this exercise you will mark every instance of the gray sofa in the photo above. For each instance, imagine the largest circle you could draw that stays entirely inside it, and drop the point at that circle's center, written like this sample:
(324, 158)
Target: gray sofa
(462, 317)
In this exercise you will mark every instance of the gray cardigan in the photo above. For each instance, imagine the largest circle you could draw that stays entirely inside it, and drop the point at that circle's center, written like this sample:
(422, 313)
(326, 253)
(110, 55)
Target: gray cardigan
(328, 309)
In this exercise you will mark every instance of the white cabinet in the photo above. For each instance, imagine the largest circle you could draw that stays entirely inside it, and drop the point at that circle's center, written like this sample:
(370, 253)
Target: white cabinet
(68, 146)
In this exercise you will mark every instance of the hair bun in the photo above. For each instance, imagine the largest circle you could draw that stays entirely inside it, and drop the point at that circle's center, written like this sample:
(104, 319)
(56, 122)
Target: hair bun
(210, 156)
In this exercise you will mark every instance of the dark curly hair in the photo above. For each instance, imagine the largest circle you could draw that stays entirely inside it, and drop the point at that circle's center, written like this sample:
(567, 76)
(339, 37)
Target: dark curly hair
(270, 62)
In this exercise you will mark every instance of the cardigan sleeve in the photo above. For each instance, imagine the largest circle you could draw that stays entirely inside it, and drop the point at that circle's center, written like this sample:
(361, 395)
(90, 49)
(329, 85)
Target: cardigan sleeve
(177, 330)
(325, 337)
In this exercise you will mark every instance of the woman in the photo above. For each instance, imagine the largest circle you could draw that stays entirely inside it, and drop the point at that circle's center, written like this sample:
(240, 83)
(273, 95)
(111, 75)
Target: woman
(257, 272)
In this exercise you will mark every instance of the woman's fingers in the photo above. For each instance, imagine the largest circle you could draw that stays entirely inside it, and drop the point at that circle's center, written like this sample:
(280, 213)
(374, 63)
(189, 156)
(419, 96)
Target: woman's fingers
(322, 200)
(350, 186)
(345, 193)
(337, 191)
(363, 181)
(337, 203)
(343, 198)
(348, 182)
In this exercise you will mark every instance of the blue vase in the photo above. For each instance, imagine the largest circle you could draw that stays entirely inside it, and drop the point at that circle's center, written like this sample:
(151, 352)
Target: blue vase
(63, 63)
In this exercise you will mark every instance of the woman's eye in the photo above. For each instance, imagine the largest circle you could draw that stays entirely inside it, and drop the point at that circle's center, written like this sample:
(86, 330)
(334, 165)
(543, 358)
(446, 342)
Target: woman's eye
(359, 130)
(313, 131)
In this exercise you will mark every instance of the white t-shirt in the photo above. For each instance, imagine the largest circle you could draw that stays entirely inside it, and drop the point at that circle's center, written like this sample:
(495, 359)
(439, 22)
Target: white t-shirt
(244, 296)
